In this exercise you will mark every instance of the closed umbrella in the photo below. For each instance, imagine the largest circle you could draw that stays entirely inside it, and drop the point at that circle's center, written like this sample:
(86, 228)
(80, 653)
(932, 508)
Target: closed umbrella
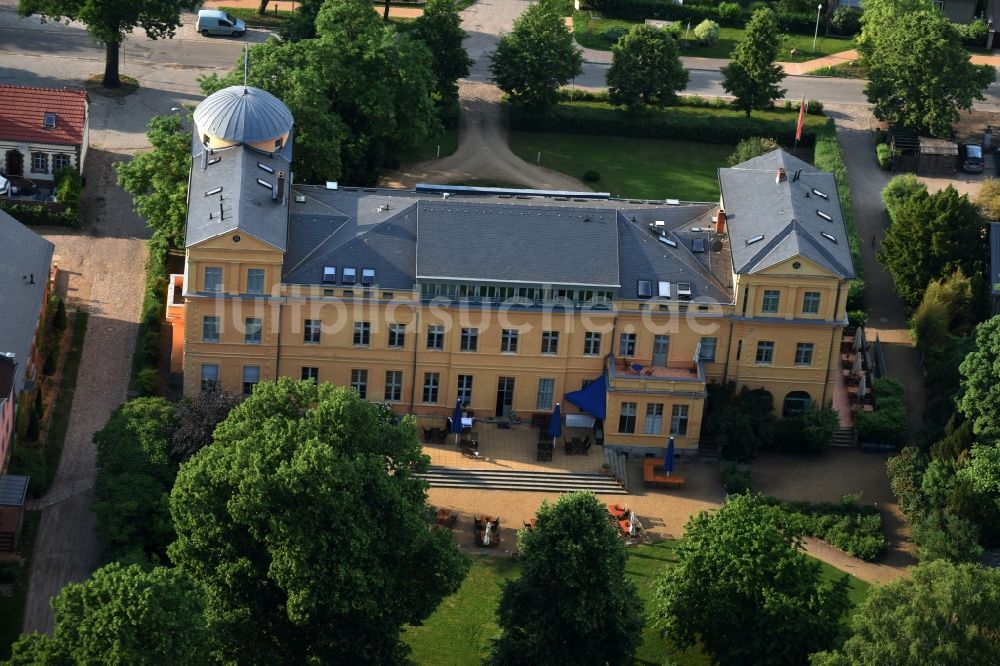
(555, 425)
(668, 460)
(857, 364)
(486, 533)
(632, 528)
(862, 385)
(456, 420)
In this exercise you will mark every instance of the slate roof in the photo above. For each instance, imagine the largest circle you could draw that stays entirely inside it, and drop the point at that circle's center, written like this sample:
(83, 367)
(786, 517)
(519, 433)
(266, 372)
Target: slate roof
(241, 198)
(23, 255)
(785, 214)
(243, 114)
(23, 109)
(513, 243)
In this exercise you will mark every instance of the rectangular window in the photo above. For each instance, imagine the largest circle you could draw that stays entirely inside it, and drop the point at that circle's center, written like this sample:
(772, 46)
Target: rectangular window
(765, 353)
(362, 333)
(626, 418)
(708, 346)
(213, 278)
(546, 388)
(251, 376)
(654, 419)
(39, 163)
(679, 420)
(470, 339)
(359, 382)
(508, 341)
(592, 344)
(210, 329)
(810, 302)
(465, 389)
(60, 161)
(310, 373)
(626, 345)
(311, 332)
(397, 335)
(252, 330)
(804, 353)
(432, 381)
(209, 376)
(435, 337)
(772, 301)
(393, 385)
(550, 342)
(255, 280)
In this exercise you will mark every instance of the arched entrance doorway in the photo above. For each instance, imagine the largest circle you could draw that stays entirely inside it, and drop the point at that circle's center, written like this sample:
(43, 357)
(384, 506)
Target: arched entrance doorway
(796, 403)
(14, 163)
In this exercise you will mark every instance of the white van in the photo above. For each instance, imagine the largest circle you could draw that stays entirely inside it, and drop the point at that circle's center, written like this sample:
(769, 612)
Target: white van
(216, 22)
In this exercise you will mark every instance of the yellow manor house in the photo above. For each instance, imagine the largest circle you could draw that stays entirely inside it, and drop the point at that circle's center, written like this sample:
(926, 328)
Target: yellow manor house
(507, 300)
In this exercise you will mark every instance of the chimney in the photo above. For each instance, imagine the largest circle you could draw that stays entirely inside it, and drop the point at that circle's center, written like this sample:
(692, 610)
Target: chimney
(31, 280)
(780, 177)
(281, 187)
(798, 174)
(720, 222)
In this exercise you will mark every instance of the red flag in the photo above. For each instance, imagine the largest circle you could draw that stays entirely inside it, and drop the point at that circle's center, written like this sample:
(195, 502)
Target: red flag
(802, 117)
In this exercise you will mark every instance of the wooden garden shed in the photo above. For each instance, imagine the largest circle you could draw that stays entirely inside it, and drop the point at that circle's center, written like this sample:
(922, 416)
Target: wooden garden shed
(938, 157)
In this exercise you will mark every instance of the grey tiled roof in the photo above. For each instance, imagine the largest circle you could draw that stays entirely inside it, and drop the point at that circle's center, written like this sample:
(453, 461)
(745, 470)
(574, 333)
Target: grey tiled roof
(243, 114)
(238, 200)
(25, 259)
(513, 243)
(784, 213)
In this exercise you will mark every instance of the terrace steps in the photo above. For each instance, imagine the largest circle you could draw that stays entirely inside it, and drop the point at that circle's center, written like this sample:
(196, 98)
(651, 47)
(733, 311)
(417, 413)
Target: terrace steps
(559, 482)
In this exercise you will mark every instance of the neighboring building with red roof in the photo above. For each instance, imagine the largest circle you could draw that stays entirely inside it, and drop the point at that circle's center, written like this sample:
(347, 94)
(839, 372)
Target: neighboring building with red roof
(42, 130)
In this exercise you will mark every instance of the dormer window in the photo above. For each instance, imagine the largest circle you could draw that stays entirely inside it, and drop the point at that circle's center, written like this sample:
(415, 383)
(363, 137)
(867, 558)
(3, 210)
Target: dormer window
(367, 276)
(329, 275)
(350, 276)
(50, 121)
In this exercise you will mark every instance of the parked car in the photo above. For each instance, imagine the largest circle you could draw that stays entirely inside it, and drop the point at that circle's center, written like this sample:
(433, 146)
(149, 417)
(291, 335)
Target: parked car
(972, 158)
(216, 22)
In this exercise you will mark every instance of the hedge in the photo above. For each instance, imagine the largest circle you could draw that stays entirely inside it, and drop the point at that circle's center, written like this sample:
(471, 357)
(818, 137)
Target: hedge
(640, 10)
(674, 123)
(147, 346)
(856, 530)
(35, 214)
(887, 424)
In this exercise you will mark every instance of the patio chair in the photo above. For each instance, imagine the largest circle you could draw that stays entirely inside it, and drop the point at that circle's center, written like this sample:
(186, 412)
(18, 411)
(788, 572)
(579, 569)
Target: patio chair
(568, 447)
(450, 523)
(584, 446)
(544, 455)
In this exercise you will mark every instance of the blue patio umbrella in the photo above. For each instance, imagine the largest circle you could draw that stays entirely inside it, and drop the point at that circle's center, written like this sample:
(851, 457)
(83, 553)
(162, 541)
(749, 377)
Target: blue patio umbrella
(668, 460)
(456, 419)
(555, 425)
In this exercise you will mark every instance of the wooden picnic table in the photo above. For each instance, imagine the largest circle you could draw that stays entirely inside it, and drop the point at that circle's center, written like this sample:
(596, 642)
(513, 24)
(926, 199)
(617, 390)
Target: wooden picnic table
(441, 517)
(653, 475)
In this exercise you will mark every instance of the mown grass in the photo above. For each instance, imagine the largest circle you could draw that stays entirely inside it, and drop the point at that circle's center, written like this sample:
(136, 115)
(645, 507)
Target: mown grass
(460, 630)
(448, 140)
(844, 71)
(590, 31)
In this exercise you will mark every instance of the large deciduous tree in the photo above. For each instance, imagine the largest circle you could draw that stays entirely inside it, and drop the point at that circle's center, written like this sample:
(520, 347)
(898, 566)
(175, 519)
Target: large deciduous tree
(197, 418)
(751, 76)
(744, 590)
(980, 401)
(157, 179)
(134, 477)
(536, 58)
(877, 14)
(572, 603)
(440, 28)
(942, 614)
(110, 21)
(122, 616)
(932, 236)
(646, 69)
(308, 530)
(919, 74)
(359, 91)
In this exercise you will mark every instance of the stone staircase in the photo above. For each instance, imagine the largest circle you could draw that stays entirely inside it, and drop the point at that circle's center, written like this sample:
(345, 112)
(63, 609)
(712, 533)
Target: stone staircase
(707, 447)
(845, 437)
(559, 482)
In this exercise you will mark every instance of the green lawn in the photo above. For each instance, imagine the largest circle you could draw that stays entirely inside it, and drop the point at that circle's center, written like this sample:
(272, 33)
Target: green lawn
(590, 33)
(844, 71)
(630, 168)
(460, 629)
(448, 141)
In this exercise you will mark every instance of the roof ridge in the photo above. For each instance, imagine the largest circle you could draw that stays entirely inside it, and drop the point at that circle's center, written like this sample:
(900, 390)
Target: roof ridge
(768, 247)
(66, 89)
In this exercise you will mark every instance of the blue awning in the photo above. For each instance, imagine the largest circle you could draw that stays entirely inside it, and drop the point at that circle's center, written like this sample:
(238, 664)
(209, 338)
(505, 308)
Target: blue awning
(592, 399)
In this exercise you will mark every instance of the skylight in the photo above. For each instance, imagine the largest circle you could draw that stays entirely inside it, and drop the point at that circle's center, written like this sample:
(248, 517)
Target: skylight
(265, 167)
(50, 121)
(824, 216)
(668, 241)
(829, 237)
(645, 288)
(820, 194)
(664, 289)
(214, 160)
(214, 190)
(263, 182)
(698, 244)
(755, 239)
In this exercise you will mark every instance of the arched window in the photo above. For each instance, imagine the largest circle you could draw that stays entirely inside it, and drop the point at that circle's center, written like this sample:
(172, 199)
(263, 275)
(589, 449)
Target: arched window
(796, 403)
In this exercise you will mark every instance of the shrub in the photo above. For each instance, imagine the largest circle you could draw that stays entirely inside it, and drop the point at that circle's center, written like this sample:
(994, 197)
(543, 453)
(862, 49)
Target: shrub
(814, 107)
(32, 431)
(880, 136)
(886, 425)
(747, 149)
(39, 406)
(857, 530)
(735, 481)
(856, 293)
(857, 317)
(614, 33)
(29, 461)
(846, 20)
(828, 156)
(146, 381)
(38, 214)
(591, 176)
(59, 319)
(707, 32)
(899, 190)
(49, 366)
(974, 34)
(819, 425)
(729, 12)
(68, 184)
(884, 154)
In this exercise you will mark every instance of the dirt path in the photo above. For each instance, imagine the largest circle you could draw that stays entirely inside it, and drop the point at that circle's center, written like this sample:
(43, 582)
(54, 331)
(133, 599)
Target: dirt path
(483, 152)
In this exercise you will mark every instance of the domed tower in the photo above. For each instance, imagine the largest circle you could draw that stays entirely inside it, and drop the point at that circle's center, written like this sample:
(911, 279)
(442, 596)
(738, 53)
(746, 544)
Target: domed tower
(243, 115)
